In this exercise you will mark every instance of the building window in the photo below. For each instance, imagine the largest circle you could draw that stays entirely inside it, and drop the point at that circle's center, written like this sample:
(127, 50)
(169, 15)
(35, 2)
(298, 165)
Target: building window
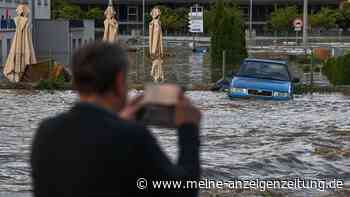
(8, 46)
(132, 13)
(46, 3)
(39, 2)
(74, 44)
(80, 42)
(245, 12)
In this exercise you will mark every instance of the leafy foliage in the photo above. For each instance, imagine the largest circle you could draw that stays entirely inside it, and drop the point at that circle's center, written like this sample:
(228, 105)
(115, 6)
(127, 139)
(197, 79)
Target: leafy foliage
(343, 16)
(72, 12)
(51, 84)
(95, 13)
(63, 9)
(173, 19)
(338, 70)
(282, 18)
(325, 18)
(226, 27)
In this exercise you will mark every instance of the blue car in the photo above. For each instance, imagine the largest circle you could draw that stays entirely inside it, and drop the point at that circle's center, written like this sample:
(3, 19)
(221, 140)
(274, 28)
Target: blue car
(266, 79)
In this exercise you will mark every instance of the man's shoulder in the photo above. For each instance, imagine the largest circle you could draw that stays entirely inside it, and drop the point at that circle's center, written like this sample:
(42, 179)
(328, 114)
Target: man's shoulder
(109, 125)
(52, 122)
(130, 127)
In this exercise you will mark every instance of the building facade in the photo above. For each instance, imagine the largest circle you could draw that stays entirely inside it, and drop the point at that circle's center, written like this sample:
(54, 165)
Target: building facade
(40, 8)
(69, 35)
(130, 12)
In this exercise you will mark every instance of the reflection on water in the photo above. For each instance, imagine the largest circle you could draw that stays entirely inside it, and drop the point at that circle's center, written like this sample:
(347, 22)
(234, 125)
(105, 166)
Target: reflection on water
(181, 66)
(240, 139)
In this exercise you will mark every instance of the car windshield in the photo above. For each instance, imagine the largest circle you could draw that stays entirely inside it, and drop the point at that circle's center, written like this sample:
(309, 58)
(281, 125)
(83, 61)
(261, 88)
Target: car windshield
(264, 70)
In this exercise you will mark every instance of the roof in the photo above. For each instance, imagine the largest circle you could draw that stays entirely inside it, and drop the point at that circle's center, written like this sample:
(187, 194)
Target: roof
(244, 2)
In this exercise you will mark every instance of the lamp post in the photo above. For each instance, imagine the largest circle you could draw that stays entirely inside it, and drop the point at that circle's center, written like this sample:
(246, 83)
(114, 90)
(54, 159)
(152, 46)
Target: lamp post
(143, 34)
(306, 24)
(251, 19)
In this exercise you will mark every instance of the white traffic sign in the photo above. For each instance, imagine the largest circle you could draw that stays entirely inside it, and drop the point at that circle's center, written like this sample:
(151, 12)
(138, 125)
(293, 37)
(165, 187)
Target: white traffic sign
(196, 24)
(297, 28)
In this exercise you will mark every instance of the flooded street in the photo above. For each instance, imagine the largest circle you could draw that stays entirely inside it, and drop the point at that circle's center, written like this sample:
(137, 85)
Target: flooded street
(308, 137)
(181, 66)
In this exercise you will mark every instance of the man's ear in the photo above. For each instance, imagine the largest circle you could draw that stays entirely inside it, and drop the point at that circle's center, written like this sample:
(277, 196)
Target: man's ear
(120, 85)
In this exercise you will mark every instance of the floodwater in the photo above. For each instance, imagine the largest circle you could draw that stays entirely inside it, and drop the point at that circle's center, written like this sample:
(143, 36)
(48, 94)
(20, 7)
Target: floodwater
(181, 66)
(308, 137)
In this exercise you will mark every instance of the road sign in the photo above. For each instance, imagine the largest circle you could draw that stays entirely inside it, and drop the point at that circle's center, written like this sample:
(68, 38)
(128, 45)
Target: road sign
(196, 24)
(298, 23)
(297, 28)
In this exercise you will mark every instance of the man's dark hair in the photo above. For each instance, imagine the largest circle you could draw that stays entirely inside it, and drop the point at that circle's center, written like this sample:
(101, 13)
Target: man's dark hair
(95, 67)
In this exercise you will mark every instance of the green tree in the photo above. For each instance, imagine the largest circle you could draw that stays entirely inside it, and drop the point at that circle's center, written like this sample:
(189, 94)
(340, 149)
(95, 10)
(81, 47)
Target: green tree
(227, 34)
(182, 22)
(72, 12)
(65, 10)
(324, 19)
(95, 13)
(343, 17)
(282, 18)
(56, 6)
(173, 19)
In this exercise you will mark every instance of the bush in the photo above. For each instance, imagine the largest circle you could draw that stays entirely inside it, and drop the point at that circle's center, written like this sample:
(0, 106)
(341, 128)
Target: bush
(338, 70)
(51, 84)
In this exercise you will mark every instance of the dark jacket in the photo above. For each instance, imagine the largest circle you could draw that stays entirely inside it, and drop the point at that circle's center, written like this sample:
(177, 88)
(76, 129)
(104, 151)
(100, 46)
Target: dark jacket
(90, 152)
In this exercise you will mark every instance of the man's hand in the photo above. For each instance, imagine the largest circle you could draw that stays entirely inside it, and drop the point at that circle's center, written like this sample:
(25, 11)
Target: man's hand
(186, 112)
(130, 110)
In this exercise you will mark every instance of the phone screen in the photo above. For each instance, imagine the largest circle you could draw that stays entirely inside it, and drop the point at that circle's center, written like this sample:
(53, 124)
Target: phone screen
(157, 115)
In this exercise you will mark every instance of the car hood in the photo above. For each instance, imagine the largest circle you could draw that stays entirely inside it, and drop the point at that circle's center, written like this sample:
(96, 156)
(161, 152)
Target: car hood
(261, 84)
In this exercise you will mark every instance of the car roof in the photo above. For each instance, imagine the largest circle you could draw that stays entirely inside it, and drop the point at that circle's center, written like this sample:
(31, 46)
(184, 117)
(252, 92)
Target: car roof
(266, 61)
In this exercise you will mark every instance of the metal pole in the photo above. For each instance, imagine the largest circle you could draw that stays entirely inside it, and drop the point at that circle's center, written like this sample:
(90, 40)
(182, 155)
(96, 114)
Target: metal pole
(144, 34)
(251, 19)
(223, 64)
(305, 27)
(312, 69)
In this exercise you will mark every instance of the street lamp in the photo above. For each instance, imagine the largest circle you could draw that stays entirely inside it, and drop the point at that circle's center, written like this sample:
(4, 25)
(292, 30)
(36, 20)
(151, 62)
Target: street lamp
(143, 34)
(251, 19)
(305, 29)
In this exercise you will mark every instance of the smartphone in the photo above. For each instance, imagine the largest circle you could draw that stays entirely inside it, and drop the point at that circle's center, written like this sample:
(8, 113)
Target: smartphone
(158, 105)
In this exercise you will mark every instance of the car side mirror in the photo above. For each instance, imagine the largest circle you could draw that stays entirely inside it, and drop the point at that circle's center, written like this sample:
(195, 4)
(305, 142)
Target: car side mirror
(234, 73)
(296, 80)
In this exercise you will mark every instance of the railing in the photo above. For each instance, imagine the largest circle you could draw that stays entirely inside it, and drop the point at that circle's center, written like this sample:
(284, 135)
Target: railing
(7, 24)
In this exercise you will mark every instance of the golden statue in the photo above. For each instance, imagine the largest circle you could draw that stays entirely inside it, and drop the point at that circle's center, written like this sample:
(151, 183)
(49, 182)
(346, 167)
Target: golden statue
(156, 45)
(111, 24)
(22, 51)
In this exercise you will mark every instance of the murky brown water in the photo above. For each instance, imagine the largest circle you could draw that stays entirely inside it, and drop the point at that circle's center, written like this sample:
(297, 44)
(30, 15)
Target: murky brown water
(181, 66)
(307, 137)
